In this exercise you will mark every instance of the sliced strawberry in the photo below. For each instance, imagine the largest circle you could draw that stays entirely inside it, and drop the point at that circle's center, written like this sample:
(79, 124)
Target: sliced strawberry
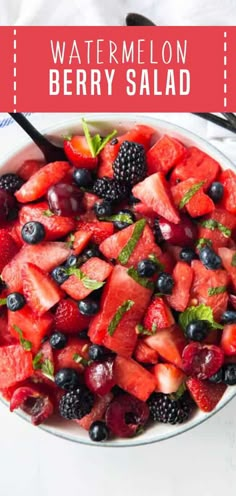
(29, 167)
(79, 241)
(199, 203)
(94, 269)
(8, 248)
(228, 339)
(228, 257)
(69, 357)
(205, 394)
(133, 378)
(183, 277)
(169, 343)
(168, 377)
(197, 165)
(33, 328)
(144, 354)
(40, 291)
(99, 230)
(79, 154)
(165, 154)
(55, 226)
(15, 365)
(40, 182)
(158, 315)
(68, 318)
(46, 255)
(155, 193)
(98, 411)
(218, 237)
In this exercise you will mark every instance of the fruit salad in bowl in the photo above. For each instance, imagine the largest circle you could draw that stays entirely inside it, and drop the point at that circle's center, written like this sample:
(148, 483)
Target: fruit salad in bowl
(118, 279)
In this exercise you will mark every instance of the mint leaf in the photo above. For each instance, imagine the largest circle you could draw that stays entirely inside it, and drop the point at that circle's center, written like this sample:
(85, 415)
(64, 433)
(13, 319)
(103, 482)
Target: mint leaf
(125, 307)
(86, 281)
(96, 143)
(128, 249)
(154, 259)
(27, 345)
(79, 359)
(37, 361)
(48, 213)
(127, 218)
(203, 242)
(144, 332)
(214, 224)
(190, 193)
(217, 290)
(47, 368)
(233, 261)
(3, 301)
(143, 281)
(201, 312)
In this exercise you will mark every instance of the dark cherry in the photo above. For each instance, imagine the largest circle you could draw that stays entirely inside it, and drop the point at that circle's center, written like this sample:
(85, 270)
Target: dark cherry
(182, 234)
(125, 415)
(99, 377)
(202, 361)
(65, 199)
(7, 204)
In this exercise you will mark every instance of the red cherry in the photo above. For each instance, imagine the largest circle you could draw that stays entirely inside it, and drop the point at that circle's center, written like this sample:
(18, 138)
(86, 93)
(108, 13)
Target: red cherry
(182, 234)
(126, 414)
(32, 401)
(7, 204)
(232, 299)
(99, 377)
(202, 361)
(65, 199)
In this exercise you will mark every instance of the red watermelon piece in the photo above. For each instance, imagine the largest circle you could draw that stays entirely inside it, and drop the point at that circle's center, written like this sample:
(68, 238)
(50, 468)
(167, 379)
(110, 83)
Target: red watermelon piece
(165, 154)
(95, 269)
(15, 365)
(133, 378)
(183, 277)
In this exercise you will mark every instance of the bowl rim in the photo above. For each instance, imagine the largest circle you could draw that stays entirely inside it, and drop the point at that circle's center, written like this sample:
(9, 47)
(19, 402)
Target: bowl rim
(173, 128)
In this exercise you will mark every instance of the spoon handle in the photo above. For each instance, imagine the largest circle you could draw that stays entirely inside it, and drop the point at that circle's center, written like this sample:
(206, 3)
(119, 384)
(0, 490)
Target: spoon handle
(133, 19)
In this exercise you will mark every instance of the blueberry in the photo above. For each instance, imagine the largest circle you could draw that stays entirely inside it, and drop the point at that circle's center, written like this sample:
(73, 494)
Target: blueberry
(58, 340)
(99, 353)
(197, 330)
(33, 232)
(15, 301)
(98, 431)
(218, 376)
(229, 374)
(103, 209)
(83, 178)
(83, 334)
(88, 307)
(146, 268)
(59, 274)
(127, 218)
(71, 261)
(165, 283)
(228, 317)
(187, 255)
(114, 141)
(209, 258)
(91, 251)
(216, 191)
(67, 378)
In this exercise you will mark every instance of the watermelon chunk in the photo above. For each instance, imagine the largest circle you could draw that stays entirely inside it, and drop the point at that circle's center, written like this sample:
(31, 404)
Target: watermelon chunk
(199, 204)
(133, 378)
(65, 358)
(165, 154)
(15, 365)
(197, 165)
(97, 413)
(95, 269)
(228, 256)
(183, 277)
(33, 328)
(216, 236)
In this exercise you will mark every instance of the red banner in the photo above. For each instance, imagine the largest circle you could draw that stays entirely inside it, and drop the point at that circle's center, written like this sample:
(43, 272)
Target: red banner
(125, 69)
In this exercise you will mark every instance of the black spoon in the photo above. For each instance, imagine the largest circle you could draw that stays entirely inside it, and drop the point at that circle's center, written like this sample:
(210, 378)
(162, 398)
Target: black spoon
(51, 152)
(133, 19)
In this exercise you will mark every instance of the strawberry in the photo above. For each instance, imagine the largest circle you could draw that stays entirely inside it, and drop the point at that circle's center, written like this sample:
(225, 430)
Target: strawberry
(169, 343)
(154, 191)
(55, 226)
(68, 319)
(217, 236)
(46, 255)
(29, 167)
(8, 248)
(69, 357)
(196, 203)
(183, 277)
(206, 394)
(38, 184)
(165, 154)
(99, 230)
(168, 377)
(79, 154)
(197, 165)
(133, 378)
(79, 241)
(228, 339)
(144, 354)
(158, 315)
(228, 259)
(33, 328)
(98, 411)
(95, 269)
(15, 365)
(40, 291)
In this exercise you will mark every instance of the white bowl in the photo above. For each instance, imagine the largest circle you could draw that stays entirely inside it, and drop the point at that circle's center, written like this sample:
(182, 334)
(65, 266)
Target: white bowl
(104, 123)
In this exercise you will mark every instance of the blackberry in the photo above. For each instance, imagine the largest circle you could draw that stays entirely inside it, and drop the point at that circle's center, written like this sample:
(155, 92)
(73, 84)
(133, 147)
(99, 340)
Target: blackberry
(11, 182)
(110, 190)
(157, 232)
(164, 409)
(130, 164)
(76, 403)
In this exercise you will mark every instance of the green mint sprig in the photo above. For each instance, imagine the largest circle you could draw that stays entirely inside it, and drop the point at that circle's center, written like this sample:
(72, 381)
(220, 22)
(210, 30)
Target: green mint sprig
(96, 143)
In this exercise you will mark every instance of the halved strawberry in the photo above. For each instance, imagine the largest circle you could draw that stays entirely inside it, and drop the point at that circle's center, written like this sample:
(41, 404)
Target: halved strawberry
(46, 255)
(99, 230)
(198, 204)
(228, 258)
(144, 354)
(133, 378)
(56, 226)
(79, 154)
(40, 291)
(228, 339)
(168, 377)
(8, 248)
(154, 191)
(98, 411)
(158, 315)
(165, 154)
(218, 236)
(197, 165)
(33, 327)
(205, 394)
(94, 269)
(15, 365)
(169, 343)
(68, 318)
(79, 241)
(38, 184)
(72, 355)
(183, 277)
(29, 167)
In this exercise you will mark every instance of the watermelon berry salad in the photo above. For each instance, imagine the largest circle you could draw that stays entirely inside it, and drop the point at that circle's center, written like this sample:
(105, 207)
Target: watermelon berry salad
(118, 279)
